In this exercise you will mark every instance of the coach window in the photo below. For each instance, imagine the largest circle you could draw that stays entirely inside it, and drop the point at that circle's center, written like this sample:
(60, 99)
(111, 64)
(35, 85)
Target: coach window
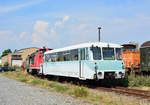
(52, 57)
(108, 53)
(60, 56)
(66, 55)
(118, 53)
(96, 53)
(74, 55)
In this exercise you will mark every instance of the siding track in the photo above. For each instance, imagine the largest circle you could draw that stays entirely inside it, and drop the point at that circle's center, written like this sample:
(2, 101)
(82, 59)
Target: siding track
(129, 92)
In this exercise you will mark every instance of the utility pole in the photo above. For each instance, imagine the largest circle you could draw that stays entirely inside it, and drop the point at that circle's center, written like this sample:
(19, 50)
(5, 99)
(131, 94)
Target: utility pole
(99, 34)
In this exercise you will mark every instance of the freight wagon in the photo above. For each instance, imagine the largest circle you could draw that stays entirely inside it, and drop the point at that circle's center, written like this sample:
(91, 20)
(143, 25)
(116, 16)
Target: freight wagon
(145, 57)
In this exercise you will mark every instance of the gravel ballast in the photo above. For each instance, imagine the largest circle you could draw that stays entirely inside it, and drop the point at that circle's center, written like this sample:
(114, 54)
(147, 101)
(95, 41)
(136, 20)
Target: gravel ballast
(13, 92)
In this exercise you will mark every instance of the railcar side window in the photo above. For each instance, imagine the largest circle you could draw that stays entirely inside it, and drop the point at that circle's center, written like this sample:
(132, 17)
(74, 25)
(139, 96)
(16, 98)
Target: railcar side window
(108, 53)
(74, 54)
(51, 57)
(118, 54)
(66, 55)
(96, 53)
(60, 56)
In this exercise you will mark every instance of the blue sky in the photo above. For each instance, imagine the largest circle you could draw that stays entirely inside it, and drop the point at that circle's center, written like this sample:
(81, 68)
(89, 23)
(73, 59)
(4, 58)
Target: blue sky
(58, 23)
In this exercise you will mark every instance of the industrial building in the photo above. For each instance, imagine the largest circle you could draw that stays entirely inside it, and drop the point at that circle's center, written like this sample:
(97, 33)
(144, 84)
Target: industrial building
(18, 57)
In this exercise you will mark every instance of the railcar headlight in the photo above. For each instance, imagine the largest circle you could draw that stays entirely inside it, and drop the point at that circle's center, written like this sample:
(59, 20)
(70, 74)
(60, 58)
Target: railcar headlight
(120, 73)
(100, 73)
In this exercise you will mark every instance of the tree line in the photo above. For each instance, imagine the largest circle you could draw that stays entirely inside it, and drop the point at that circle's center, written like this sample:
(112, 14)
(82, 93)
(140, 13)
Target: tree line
(6, 52)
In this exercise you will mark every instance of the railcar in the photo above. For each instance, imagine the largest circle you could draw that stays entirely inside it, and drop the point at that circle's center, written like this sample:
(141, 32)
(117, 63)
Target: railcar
(145, 57)
(86, 61)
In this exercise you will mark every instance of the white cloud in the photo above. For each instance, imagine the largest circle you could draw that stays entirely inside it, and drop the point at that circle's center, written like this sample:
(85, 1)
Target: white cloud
(41, 30)
(66, 18)
(5, 33)
(23, 34)
(81, 27)
(62, 22)
(45, 33)
(4, 9)
(41, 26)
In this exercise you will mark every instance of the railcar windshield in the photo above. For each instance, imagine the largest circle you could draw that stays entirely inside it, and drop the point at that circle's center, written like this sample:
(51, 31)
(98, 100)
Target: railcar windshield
(108, 53)
(96, 53)
(118, 53)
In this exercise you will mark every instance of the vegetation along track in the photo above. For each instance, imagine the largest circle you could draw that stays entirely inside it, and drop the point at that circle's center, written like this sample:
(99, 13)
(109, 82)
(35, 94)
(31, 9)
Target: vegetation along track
(130, 92)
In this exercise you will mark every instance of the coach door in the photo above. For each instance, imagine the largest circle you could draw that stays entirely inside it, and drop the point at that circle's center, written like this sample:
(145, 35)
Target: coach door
(81, 63)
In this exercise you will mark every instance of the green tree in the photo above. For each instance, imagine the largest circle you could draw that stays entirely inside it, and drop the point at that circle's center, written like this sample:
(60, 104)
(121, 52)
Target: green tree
(6, 52)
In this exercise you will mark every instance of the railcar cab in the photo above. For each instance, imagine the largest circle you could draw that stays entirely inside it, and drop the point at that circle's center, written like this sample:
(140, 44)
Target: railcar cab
(95, 60)
(108, 62)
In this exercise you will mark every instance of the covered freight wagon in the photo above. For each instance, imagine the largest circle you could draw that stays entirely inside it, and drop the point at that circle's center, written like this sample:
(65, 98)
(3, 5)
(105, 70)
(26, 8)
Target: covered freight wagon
(145, 56)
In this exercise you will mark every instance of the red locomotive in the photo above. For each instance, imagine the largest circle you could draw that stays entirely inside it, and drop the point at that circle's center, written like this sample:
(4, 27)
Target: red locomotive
(34, 60)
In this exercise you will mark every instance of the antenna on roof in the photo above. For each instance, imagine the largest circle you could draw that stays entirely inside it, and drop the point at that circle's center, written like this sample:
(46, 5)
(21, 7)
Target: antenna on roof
(99, 33)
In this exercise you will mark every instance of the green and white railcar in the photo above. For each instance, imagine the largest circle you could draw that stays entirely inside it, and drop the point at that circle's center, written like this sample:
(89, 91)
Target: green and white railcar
(95, 60)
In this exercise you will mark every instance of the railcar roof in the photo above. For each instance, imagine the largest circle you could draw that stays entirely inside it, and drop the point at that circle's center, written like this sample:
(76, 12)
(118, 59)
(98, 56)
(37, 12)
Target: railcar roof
(83, 45)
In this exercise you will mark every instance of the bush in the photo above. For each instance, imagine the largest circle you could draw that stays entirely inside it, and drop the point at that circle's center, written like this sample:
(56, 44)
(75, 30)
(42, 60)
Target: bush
(80, 92)
(6, 64)
(15, 67)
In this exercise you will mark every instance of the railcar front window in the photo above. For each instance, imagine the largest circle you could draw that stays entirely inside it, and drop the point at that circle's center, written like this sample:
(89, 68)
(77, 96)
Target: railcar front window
(118, 54)
(96, 53)
(108, 54)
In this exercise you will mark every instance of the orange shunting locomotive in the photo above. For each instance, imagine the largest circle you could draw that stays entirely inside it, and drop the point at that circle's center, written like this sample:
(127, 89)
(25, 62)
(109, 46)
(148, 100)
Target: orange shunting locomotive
(131, 57)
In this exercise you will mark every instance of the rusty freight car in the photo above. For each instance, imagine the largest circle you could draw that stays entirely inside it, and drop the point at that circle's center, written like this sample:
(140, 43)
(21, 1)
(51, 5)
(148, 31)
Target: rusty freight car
(145, 57)
(131, 57)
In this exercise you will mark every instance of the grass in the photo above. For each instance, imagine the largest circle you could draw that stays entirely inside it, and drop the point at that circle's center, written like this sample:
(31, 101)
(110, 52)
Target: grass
(138, 81)
(58, 88)
(80, 92)
(94, 96)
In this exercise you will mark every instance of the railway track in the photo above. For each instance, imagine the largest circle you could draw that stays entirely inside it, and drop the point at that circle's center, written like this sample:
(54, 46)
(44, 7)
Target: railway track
(129, 92)
(123, 90)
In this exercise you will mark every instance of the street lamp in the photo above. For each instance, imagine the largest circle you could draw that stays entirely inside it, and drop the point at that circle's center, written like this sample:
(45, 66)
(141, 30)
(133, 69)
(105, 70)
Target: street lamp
(99, 33)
